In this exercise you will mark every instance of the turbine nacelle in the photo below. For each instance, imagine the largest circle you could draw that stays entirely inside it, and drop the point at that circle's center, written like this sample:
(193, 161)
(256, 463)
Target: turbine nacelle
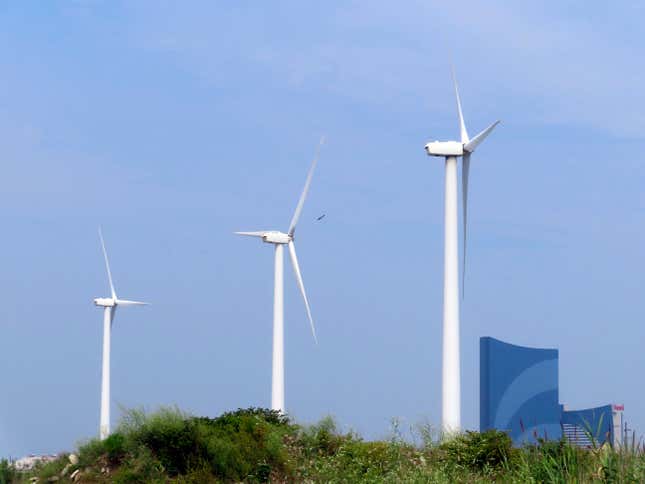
(444, 148)
(106, 302)
(270, 236)
(276, 237)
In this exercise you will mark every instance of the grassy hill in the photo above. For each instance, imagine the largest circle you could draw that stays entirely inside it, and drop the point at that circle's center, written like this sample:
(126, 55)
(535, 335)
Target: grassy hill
(258, 445)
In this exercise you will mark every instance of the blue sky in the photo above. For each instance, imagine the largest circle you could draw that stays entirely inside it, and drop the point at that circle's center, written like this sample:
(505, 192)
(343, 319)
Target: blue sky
(173, 124)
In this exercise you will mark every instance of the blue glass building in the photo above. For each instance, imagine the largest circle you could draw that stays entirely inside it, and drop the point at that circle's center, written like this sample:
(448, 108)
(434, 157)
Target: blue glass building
(519, 395)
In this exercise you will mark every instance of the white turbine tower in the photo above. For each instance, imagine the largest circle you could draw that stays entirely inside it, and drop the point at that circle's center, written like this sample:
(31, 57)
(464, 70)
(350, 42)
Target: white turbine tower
(109, 306)
(279, 240)
(451, 150)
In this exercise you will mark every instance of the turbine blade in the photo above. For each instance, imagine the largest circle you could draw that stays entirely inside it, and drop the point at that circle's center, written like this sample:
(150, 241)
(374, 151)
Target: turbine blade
(251, 234)
(474, 143)
(112, 311)
(464, 193)
(107, 264)
(296, 270)
(125, 302)
(462, 125)
(303, 196)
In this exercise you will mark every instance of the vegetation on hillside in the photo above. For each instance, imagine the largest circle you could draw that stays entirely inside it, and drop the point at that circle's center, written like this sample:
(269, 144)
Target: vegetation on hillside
(257, 445)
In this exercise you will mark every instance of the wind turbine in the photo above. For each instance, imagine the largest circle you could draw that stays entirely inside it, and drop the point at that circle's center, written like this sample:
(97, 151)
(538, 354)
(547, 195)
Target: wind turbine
(451, 150)
(279, 240)
(109, 305)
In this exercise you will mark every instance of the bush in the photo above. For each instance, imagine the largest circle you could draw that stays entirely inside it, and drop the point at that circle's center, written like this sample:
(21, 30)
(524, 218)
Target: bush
(245, 444)
(272, 417)
(115, 448)
(198, 475)
(487, 451)
(140, 467)
(322, 438)
(168, 434)
(7, 472)
(90, 452)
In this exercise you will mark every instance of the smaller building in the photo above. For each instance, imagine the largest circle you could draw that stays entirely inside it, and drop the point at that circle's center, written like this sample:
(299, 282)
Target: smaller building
(594, 425)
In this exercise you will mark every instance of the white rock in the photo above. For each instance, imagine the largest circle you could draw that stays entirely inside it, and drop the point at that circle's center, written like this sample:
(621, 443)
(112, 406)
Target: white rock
(73, 459)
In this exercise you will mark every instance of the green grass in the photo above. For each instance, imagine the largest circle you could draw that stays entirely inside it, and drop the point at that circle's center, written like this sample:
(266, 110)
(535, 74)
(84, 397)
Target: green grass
(257, 445)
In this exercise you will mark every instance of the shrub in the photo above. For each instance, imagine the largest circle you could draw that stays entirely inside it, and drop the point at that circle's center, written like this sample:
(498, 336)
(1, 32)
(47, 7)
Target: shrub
(140, 467)
(487, 451)
(322, 438)
(168, 434)
(90, 452)
(245, 444)
(272, 417)
(198, 475)
(115, 448)
(7, 472)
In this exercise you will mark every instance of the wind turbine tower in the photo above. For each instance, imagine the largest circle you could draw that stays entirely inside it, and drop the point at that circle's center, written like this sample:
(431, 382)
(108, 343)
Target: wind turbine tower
(279, 240)
(451, 373)
(109, 305)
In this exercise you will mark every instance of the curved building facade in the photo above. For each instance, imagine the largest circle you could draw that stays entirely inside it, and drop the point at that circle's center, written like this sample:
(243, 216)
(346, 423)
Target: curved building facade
(592, 426)
(519, 391)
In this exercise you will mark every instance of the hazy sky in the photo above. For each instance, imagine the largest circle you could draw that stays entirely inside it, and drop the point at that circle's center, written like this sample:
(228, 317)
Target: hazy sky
(173, 124)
